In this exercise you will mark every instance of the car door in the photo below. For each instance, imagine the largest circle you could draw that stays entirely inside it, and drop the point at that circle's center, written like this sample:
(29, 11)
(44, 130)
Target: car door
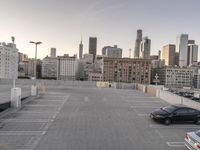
(192, 114)
(180, 114)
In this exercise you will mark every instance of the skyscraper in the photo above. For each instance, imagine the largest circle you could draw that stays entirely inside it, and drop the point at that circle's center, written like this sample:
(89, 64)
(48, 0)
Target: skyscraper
(192, 54)
(182, 48)
(137, 44)
(81, 50)
(168, 54)
(93, 46)
(145, 48)
(53, 52)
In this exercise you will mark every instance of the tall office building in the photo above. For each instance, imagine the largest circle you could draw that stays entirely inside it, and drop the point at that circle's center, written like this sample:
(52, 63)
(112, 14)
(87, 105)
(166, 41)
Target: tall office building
(113, 52)
(137, 44)
(81, 50)
(67, 67)
(176, 58)
(53, 52)
(93, 46)
(192, 54)
(168, 54)
(8, 61)
(182, 48)
(145, 48)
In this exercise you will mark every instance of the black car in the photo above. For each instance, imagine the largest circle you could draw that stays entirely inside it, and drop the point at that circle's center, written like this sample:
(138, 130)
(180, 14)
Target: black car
(176, 113)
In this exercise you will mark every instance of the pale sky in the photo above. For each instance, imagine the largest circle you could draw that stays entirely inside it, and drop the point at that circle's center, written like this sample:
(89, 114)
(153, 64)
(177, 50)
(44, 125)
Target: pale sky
(61, 23)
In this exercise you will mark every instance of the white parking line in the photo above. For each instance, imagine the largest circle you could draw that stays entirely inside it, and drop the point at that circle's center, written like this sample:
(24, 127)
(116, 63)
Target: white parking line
(143, 115)
(22, 149)
(61, 96)
(37, 112)
(7, 133)
(160, 135)
(175, 144)
(146, 101)
(41, 100)
(27, 120)
(32, 105)
(157, 126)
(143, 97)
(33, 142)
(145, 107)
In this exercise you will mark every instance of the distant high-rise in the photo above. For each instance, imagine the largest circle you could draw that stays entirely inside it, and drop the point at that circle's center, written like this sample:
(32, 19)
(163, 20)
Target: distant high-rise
(176, 58)
(191, 41)
(168, 54)
(145, 48)
(113, 52)
(159, 54)
(53, 52)
(93, 46)
(182, 48)
(8, 61)
(192, 54)
(81, 50)
(137, 44)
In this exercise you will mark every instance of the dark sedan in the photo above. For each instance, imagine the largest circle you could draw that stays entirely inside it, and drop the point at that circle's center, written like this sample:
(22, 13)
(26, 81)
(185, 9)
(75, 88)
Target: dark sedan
(176, 113)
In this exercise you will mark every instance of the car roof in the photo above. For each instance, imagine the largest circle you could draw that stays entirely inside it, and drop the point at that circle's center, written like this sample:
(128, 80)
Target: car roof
(182, 106)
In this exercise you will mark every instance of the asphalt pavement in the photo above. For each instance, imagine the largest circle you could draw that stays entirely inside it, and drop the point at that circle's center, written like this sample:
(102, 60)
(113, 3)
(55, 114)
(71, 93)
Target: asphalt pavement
(90, 119)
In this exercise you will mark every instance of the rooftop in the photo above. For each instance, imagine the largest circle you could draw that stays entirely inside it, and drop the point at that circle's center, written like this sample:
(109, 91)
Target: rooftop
(83, 118)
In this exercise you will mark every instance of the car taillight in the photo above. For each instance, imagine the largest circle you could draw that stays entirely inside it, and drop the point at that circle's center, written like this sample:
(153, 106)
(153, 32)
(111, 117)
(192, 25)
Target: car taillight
(197, 145)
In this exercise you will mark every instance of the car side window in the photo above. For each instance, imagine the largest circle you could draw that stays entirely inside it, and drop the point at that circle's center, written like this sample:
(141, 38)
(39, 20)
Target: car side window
(182, 111)
(192, 111)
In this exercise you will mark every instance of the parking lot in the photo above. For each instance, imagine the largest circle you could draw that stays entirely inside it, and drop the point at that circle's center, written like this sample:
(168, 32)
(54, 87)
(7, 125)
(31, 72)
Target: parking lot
(90, 118)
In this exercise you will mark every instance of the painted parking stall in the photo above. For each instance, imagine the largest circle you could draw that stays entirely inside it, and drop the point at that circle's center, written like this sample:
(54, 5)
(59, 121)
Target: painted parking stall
(23, 130)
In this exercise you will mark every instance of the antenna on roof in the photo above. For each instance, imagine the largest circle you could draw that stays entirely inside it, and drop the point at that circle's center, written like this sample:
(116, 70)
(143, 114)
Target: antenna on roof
(130, 52)
(13, 39)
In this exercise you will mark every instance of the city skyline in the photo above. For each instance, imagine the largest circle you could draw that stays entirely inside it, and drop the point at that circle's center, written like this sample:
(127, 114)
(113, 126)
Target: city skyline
(60, 25)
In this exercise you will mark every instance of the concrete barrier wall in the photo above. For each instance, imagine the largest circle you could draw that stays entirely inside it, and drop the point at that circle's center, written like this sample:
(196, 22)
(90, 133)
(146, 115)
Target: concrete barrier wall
(103, 84)
(168, 96)
(123, 85)
(151, 90)
(175, 99)
(142, 87)
(50, 82)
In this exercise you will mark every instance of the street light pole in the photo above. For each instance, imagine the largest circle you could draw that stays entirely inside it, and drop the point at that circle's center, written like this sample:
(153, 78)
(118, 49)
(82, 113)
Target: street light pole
(35, 64)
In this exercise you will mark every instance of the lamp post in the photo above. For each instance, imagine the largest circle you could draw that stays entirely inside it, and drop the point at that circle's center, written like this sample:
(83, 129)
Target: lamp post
(35, 64)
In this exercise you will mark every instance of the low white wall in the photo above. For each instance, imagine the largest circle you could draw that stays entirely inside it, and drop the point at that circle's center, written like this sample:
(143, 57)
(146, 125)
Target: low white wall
(175, 99)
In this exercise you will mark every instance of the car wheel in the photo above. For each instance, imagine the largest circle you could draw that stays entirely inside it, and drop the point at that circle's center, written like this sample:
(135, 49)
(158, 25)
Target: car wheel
(197, 121)
(167, 121)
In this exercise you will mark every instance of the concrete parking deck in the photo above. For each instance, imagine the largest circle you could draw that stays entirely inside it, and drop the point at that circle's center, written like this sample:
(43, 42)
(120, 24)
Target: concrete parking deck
(90, 119)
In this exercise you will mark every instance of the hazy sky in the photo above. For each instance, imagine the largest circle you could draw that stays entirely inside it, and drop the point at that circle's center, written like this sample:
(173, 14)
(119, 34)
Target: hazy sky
(61, 23)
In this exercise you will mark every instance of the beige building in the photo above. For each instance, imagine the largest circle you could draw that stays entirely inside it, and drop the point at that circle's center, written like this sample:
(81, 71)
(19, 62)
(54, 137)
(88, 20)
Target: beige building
(127, 70)
(95, 77)
(168, 54)
(176, 77)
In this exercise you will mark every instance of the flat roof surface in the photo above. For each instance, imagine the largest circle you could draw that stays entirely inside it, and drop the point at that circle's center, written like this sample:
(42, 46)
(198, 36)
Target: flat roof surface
(90, 119)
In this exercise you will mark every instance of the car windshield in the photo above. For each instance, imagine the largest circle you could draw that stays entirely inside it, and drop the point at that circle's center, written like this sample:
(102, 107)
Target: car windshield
(169, 108)
(198, 133)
